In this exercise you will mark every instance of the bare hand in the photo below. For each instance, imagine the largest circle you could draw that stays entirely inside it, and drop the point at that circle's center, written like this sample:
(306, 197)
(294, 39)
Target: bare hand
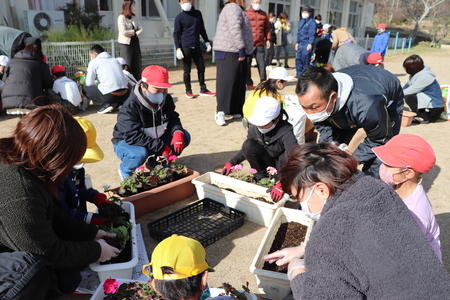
(102, 234)
(131, 34)
(241, 58)
(309, 47)
(296, 47)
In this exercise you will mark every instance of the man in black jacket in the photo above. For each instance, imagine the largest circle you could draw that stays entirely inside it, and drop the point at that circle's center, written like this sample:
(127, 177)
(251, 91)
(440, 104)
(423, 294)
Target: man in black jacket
(356, 97)
(148, 124)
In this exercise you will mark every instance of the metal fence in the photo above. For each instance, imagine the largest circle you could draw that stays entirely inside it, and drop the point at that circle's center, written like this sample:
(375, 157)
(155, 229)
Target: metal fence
(74, 56)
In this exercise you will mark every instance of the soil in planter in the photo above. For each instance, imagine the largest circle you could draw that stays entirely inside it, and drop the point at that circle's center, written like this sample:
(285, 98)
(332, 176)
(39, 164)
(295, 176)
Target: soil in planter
(290, 234)
(126, 253)
(256, 198)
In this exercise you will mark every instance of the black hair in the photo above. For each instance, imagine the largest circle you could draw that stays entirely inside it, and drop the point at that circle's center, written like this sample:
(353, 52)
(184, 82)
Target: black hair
(97, 49)
(318, 18)
(323, 79)
(60, 74)
(269, 86)
(177, 289)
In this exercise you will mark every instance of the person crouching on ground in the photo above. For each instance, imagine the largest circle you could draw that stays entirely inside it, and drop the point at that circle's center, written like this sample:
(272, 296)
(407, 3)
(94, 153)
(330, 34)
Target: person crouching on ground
(268, 139)
(405, 158)
(148, 124)
(180, 270)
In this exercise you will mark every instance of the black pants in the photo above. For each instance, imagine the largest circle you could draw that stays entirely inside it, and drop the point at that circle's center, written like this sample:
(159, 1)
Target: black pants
(427, 114)
(258, 53)
(132, 55)
(93, 93)
(270, 54)
(258, 157)
(230, 83)
(193, 54)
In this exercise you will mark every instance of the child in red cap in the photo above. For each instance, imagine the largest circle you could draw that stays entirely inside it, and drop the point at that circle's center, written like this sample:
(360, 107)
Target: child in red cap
(147, 124)
(405, 157)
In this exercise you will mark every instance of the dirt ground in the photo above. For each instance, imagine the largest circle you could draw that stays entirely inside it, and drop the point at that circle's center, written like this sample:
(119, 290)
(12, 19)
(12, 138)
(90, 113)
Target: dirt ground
(213, 145)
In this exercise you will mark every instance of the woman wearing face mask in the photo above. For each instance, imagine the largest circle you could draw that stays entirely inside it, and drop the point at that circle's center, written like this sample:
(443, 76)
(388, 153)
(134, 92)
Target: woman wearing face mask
(405, 158)
(268, 139)
(130, 29)
(273, 41)
(282, 29)
(365, 245)
(148, 124)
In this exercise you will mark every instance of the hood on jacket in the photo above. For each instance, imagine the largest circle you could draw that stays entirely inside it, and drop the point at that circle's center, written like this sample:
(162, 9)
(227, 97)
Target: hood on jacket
(28, 54)
(143, 100)
(104, 54)
(345, 87)
(425, 71)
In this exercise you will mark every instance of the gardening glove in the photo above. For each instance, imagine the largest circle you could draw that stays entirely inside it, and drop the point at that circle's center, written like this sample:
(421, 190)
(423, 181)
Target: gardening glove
(284, 256)
(166, 153)
(226, 169)
(180, 54)
(276, 192)
(108, 251)
(98, 220)
(107, 207)
(296, 266)
(100, 198)
(208, 46)
(177, 143)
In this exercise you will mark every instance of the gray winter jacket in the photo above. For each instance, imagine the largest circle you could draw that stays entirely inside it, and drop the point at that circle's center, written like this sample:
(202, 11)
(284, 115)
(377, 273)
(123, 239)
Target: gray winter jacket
(349, 55)
(425, 86)
(234, 31)
(367, 245)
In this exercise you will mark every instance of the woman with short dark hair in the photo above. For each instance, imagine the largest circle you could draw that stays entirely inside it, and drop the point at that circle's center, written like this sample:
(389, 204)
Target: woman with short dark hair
(365, 244)
(422, 91)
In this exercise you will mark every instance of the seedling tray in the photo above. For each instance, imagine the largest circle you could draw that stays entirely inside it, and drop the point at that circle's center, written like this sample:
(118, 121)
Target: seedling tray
(205, 221)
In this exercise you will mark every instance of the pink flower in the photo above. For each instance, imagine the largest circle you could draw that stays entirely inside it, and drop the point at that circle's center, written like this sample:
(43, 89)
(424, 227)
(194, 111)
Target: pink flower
(236, 167)
(272, 171)
(110, 286)
(173, 158)
(140, 169)
(252, 171)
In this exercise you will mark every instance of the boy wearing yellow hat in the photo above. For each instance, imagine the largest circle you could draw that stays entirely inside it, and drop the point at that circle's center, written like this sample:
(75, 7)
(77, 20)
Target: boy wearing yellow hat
(73, 192)
(180, 270)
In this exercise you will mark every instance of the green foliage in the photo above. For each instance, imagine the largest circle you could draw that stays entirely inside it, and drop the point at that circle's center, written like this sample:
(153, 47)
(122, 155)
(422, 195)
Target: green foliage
(75, 15)
(122, 234)
(78, 34)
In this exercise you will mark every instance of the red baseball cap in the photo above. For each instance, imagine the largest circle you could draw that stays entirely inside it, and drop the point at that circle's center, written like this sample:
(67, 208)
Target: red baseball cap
(375, 58)
(407, 150)
(381, 26)
(156, 76)
(58, 68)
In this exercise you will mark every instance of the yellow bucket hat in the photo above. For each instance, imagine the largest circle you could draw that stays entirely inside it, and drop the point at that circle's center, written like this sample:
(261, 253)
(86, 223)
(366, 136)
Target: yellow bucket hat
(93, 152)
(184, 255)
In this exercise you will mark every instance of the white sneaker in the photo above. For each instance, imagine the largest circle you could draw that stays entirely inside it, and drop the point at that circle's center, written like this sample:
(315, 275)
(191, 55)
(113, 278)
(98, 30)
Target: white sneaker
(269, 68)
(220, 118)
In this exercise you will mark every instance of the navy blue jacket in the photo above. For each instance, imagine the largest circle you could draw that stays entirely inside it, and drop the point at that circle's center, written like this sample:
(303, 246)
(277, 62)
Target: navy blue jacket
(306, 31)
(188, 27)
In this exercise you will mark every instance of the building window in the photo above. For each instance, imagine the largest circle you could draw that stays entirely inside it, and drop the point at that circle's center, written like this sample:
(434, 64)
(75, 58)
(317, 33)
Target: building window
(354, 14)
(280, 6)
(335, 12)
(171, 8)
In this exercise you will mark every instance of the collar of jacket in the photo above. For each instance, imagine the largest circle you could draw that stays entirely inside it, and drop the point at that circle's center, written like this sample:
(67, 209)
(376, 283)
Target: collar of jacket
(143, 100)
(345, 87)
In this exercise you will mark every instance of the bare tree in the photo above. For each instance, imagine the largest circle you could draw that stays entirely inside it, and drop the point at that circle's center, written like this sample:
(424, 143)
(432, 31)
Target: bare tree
(419, 10)
(439, 18)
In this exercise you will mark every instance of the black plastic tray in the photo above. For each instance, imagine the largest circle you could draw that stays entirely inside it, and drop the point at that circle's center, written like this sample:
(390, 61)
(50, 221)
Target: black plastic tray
(205, 221)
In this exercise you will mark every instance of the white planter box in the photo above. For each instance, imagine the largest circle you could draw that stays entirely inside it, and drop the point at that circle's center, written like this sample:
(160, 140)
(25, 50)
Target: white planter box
(125, 269)
(243, 200)
(275, 285)
(99, 294)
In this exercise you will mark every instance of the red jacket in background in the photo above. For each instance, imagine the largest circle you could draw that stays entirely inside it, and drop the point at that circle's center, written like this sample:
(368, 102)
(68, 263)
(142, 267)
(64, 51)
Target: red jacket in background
(260, 26)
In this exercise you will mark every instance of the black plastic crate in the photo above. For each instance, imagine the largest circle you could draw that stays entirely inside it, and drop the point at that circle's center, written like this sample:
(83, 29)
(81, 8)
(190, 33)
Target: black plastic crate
(205, 221)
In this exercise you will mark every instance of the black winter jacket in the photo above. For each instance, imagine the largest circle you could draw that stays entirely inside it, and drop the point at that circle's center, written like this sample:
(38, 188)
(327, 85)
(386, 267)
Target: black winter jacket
(137, 119)
(276, 142)
(188, 27)
(26, 77)
(375, 104)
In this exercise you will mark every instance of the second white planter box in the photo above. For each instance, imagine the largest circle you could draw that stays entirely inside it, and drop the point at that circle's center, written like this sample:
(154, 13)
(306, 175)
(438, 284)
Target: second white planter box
(125, 269)
(276, 285)
(243, 197)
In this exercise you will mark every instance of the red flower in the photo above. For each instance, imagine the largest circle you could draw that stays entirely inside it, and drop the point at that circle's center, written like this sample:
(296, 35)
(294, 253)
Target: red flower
(110, 286)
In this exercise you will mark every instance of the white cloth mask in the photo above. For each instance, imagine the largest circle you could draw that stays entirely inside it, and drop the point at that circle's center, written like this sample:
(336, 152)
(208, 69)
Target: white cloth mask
(305, 207)
(305, 15)
(266, 130)
(186, 6)
(256, 6)
(321, 116)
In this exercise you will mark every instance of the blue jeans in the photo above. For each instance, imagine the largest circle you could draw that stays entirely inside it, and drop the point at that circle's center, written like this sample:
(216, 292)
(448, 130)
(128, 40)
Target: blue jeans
(135, 156)
(286, 54)
(302, 59)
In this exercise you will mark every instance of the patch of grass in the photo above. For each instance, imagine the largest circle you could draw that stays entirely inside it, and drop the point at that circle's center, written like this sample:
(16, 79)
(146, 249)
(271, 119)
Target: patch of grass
(79, 34)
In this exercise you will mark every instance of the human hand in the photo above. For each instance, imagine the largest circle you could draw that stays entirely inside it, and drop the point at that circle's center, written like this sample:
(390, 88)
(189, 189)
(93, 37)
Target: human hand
(296, 47)
(166, 153)
(241, 58)
(99, 220)
(296, 266)
(130, 34)
(276, 192)
(284, 256)
(180, 54)
(102, 234)
(108, 251)
(226, 169)
(177, 143)
(208, 46)
(309, 47)
(267, 44)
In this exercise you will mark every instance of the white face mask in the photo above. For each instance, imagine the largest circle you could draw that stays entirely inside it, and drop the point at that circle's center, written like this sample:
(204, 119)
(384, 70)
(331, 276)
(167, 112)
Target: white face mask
(305, 15)
(321, 116)
(157, 98)
(266, 130)
(379, 30)
(256, 6)
(186, 6)
(305, 207)
(318, 22)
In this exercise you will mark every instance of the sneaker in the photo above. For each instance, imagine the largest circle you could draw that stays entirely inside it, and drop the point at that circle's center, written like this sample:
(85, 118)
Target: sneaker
(190, 95)
(105, 109)
(269, 68)
(220, 118)
(250, 87)
(207, 93)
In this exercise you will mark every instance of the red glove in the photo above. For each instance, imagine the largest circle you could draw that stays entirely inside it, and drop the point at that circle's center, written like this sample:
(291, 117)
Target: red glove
(226, 169)
(100, 221)
(276, 192)
(177, 142)
(100, 198)
(166, 153)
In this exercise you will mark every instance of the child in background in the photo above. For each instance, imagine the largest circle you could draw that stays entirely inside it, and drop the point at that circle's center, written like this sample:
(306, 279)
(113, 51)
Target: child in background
(405, 158)
(65, 87)
(126, 71)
